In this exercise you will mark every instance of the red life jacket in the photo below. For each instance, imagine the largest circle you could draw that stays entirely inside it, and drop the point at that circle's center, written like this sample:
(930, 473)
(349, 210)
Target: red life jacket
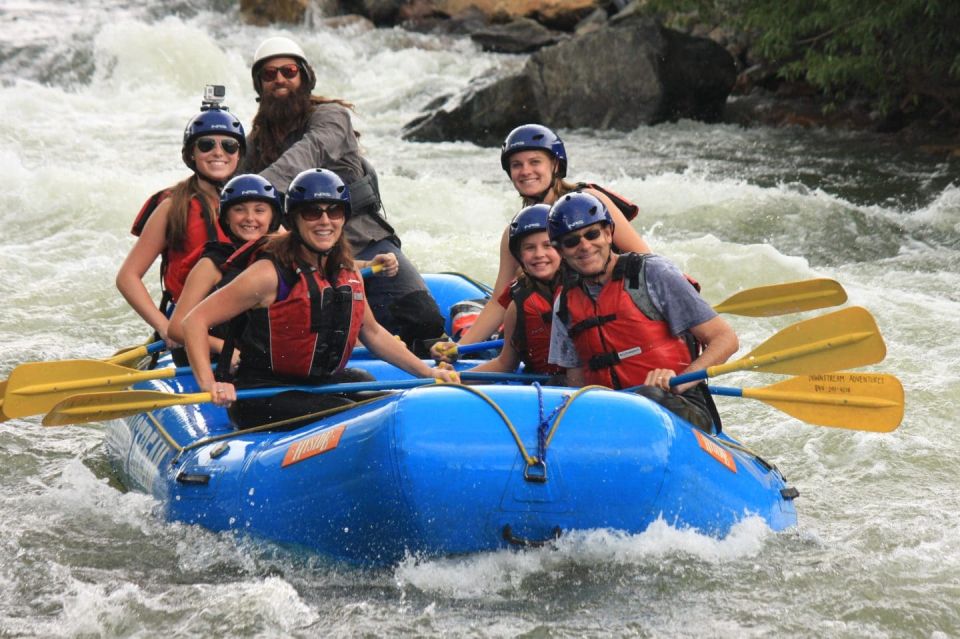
(309, 332)
(628, 208)
(175, 265)
(621, 336)
(531, 338)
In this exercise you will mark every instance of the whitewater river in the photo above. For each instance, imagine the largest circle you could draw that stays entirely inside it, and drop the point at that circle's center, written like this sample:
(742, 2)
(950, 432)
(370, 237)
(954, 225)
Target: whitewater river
(94, 97)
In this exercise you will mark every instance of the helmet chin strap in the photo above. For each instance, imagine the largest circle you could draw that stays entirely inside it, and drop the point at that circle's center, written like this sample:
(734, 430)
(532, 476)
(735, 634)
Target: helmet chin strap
(217, 184)
(595, 277)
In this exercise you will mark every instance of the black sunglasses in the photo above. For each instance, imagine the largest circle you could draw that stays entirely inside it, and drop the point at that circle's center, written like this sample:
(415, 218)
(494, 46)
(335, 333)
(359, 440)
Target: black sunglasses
(205, 145)
(269, 74)
(314, 212)
(570, 240)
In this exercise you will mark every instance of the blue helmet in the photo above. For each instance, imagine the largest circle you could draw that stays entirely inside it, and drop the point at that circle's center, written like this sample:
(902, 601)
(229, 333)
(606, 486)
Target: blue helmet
(246, 188)
(573, 211)
(528, 220)
(211, 121)
(316, 185)
(531, 137)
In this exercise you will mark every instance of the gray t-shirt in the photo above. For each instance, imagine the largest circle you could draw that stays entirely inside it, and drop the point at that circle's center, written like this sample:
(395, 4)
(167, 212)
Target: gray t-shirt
(329, 143)
(684, 308)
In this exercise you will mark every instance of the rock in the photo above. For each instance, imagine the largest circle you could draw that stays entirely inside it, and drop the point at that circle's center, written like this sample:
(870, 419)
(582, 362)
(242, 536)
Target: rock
(266, 12)
(491, 107)
(616, 77)
(557, 14)
(522, 35)
(594, 21)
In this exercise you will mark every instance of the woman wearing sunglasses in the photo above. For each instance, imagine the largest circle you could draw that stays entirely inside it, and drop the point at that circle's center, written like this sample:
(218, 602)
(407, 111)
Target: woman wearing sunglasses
(250, 208)
(305, 310)
(535, 160)
(175, 224)
(631, 320)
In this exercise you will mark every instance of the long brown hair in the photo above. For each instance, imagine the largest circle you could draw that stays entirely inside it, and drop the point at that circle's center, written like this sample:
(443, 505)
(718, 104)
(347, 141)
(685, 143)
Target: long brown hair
(180, 197)
(559, 188)
(276, 121)
(286, 249)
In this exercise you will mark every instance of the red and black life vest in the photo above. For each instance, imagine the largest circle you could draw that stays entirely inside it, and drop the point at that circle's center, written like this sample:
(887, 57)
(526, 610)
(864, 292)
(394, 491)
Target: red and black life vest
(309, 333)
(628, 208)
(531, 337)
(621, 336)
(176, 263)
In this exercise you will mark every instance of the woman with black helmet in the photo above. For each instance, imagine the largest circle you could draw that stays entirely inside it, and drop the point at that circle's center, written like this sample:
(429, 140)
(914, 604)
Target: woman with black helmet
(249, 209)
(535, 159)
(175, 224)
(305, 307)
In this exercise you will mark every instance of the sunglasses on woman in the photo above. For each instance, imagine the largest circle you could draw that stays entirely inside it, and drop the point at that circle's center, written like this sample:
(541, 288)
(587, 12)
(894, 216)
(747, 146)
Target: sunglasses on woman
(205, 145)
(571, 240)
(313, 212)
(289, 71)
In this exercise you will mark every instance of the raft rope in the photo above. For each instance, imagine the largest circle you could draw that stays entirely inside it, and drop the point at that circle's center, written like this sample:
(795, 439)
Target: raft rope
(544, 422)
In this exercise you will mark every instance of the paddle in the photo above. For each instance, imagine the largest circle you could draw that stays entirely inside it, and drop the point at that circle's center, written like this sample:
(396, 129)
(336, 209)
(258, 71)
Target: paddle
(844, 339)
(783, 299)
(362, 353)
(857, 401)
(134, 353)
(124, 355)
(92, 407)
(36, 387)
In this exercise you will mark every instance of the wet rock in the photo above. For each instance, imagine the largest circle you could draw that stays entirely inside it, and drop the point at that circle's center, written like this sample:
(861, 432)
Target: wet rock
(518, 36)
(617, 77)
(266, 12)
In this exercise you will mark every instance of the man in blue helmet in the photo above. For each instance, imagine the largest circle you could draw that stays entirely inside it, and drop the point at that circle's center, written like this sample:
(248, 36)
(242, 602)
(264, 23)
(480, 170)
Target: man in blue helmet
(628, 320)
(294, 130)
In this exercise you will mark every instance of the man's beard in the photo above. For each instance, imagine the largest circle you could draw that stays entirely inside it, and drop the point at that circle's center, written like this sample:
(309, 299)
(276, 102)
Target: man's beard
(276, 119)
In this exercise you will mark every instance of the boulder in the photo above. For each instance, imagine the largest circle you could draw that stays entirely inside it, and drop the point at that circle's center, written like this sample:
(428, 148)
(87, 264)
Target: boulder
(629, 73)
(557, 14)
(267, 12)
(522, 35)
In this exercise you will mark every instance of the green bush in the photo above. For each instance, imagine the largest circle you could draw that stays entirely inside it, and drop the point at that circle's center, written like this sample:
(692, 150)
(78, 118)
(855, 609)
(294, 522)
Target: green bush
(903, 54)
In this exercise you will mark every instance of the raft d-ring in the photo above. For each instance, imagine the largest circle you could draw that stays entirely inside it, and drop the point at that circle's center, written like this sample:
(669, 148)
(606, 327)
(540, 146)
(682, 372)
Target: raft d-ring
(536, 471)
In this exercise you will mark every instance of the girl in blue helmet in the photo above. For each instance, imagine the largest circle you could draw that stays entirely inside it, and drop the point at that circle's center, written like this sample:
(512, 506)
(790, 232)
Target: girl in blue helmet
(250, 208)
(529, 314)
(305, 309)
(175, 224)
(535, 159)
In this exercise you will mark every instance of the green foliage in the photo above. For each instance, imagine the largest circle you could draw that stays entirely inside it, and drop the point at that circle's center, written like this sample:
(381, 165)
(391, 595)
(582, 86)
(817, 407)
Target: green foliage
(901, 53)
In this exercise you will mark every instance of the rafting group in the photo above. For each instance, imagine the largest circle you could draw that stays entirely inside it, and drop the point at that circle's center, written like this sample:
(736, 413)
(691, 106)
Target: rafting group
(277, 259)
(263, 247)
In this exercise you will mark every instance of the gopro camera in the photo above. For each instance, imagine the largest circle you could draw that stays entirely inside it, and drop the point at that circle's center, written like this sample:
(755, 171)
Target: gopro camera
(213, 96)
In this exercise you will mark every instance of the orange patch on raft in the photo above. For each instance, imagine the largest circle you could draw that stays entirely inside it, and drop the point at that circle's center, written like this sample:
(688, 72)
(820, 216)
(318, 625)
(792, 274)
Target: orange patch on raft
(313, 445)
(716, 451)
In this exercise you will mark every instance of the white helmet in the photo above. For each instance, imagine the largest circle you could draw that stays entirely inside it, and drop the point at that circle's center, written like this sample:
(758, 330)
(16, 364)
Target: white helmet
(280, 46)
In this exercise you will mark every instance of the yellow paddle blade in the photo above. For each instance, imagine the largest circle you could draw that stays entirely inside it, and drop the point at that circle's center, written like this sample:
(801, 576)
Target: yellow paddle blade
(858, 401)
(128, 355)
(848, 338)
(95, 407)
(36, 387)
(3, 391)
(783, 299)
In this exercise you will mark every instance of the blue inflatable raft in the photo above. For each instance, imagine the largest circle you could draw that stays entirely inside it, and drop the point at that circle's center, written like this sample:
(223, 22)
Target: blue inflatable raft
(446, 469)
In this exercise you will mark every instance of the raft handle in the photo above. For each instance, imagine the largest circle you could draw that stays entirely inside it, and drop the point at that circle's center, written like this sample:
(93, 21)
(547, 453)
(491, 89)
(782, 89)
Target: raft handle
(522, 542)
(196, 479)
(789, 493)
(536, 472)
